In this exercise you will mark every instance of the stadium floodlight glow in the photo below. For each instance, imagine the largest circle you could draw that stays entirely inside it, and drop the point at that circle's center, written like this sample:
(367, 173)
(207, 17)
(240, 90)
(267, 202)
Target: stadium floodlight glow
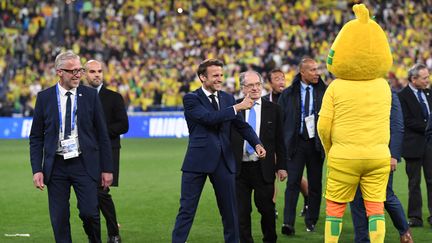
(179, 10)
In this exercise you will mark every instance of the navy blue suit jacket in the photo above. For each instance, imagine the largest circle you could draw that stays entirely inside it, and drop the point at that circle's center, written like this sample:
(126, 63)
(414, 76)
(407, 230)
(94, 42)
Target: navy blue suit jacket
(92, 133)
(209, 132)
(396, 128)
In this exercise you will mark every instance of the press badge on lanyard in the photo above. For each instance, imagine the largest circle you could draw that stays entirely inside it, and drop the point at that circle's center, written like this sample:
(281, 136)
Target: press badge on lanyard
(69, 146)
(310, 125)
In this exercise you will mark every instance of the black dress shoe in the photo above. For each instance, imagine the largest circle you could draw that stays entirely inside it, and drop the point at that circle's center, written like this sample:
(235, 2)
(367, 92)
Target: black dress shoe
(415, 222)
(310, 228)
(114, 239)
(288, 229)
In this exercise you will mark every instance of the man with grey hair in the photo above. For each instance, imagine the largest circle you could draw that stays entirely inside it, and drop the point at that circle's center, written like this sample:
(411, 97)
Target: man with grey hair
(416, 102)
(69, 146)
(254, 174)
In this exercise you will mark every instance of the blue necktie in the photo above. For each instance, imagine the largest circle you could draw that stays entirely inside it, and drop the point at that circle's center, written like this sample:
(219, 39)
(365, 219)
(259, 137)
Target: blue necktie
(423, 105)
(68, 126)
(252, 123)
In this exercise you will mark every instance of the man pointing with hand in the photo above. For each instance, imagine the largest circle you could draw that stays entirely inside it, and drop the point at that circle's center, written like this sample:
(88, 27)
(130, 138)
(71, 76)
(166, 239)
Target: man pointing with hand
(209, 113)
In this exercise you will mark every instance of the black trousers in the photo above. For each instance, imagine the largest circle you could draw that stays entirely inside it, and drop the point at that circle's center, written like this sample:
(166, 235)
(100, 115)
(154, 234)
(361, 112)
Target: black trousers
(67, 173)
(116, 160)
(251, 179)
(106, 203)
(107, 208)
(306, 154)
(413, 170)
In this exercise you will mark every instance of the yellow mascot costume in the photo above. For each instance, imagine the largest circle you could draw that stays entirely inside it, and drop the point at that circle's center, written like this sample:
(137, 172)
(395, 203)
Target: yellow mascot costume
(354, 123)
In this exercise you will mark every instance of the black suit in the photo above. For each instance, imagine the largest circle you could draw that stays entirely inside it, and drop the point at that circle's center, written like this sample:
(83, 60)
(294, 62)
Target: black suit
(259, 176)
(301, 152)
(272, 97)
(415, 150)
(117, 124)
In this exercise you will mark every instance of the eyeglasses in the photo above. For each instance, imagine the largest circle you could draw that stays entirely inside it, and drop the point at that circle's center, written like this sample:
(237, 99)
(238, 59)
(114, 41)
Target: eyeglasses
(74, 71)
(249, 86)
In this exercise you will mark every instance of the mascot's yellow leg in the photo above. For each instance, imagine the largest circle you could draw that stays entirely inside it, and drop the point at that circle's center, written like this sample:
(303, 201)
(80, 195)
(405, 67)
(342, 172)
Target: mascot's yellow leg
(333, 223)
(375, 212)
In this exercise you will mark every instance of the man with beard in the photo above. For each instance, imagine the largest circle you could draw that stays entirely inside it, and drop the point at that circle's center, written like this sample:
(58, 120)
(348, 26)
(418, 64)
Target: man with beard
(117, 124)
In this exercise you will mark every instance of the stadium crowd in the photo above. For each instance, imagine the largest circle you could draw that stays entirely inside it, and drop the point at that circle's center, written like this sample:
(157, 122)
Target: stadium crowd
(152, 48)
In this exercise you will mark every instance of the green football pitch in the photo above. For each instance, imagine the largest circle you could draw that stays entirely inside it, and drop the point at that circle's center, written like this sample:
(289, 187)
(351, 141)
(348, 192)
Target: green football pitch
(148, 199)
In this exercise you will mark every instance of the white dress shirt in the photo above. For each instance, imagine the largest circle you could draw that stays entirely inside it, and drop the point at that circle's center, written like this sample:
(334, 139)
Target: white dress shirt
(63, 100)
(257, 108)
(207, 93)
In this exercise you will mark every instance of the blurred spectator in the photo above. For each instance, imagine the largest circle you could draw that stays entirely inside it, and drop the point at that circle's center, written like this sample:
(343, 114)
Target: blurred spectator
(151, 47)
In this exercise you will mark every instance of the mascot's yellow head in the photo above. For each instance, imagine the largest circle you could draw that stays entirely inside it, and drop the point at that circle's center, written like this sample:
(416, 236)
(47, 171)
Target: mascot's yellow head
(360, 50)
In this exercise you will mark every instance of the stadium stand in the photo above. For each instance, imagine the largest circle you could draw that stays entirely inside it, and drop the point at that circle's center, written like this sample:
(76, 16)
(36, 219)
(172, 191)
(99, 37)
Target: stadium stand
(152, 48)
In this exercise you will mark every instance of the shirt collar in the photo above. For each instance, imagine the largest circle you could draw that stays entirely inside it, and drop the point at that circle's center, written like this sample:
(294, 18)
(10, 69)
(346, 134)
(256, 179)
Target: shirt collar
(258, 101)
(413, 88)
(207, 93)
(99, 88)
(304, 85)
(63, 90)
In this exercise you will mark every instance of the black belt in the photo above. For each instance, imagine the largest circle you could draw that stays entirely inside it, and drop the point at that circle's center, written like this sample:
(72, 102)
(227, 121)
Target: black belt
(250, 162)
(304, 138)
(60, 157)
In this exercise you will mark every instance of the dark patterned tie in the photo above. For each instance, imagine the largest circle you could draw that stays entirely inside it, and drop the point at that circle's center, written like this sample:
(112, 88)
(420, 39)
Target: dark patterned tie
(68, 115)
(214, 102)
(423, 106)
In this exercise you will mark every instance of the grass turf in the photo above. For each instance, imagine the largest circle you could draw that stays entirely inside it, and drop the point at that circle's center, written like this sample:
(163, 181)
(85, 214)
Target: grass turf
(147, 200)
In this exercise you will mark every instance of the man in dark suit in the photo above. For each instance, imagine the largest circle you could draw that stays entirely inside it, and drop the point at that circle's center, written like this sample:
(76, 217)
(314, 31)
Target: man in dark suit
(209, 113)
(69, 146)
(392, 204)
(300, 104)
(254, 174)
(117, 124)
(416, 101)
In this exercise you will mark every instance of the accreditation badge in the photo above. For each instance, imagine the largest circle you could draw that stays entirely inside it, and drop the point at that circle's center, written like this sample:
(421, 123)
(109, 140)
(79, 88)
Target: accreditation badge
(69, 148)
(310, 125)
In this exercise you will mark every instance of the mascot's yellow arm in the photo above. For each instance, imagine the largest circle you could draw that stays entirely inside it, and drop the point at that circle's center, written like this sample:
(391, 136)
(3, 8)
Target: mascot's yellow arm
(324, 131)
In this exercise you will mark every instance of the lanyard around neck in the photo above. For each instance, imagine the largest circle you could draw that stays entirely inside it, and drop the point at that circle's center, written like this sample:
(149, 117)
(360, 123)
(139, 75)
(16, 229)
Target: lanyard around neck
(60, 112)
